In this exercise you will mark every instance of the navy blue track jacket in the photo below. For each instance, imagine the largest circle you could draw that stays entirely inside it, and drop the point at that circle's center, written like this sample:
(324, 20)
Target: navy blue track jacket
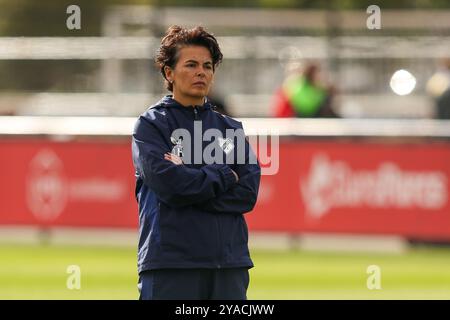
(190, 215)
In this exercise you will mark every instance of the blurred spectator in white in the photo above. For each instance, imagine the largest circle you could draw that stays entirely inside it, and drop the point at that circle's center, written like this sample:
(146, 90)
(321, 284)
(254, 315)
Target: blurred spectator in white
(438, 87)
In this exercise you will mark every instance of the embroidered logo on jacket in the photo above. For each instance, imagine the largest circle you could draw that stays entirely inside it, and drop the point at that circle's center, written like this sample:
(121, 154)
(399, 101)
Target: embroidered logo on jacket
(226, 145)
(178, 148)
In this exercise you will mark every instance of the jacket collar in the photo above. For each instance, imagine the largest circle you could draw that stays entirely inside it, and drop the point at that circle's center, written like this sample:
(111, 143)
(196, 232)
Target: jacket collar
(169, 102)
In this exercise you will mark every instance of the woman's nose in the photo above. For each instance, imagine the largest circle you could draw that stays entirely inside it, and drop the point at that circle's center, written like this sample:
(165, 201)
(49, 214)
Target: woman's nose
(200, 72)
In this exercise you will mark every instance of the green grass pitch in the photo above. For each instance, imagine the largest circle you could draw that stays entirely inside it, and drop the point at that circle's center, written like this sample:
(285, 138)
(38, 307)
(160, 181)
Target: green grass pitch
(40, 272)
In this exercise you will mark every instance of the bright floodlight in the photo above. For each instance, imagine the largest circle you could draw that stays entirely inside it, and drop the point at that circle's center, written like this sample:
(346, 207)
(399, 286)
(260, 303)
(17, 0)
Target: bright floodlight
(402, 82)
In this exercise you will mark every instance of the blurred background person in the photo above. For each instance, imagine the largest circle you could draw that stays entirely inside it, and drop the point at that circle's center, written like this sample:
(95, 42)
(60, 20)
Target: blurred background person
(218, 101)
(438, 87)
(305, 95)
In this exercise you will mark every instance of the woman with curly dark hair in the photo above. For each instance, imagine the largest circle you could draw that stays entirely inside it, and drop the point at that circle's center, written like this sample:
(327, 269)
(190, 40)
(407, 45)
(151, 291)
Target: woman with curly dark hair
(192, 191)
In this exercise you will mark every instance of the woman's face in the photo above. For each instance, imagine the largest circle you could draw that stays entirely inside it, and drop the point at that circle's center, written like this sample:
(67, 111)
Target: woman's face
(193, 74)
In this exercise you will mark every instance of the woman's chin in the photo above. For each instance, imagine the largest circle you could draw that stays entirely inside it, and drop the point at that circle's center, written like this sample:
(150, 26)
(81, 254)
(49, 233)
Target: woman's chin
(198, 93)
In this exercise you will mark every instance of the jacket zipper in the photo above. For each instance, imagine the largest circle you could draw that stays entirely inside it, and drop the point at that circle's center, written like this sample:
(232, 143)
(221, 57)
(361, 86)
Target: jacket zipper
(196, 117)
(219, 255)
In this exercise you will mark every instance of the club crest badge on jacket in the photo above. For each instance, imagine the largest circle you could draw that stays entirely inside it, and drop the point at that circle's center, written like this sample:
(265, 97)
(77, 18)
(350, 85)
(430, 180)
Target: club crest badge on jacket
(178, 148)
(226, 145)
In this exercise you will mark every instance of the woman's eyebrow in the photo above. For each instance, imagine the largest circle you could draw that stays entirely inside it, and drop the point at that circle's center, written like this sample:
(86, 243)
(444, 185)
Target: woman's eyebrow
(194, 61)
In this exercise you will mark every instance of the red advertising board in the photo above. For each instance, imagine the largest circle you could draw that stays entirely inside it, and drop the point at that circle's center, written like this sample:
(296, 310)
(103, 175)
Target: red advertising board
(348, 187)
(67, 184)
(358, 187)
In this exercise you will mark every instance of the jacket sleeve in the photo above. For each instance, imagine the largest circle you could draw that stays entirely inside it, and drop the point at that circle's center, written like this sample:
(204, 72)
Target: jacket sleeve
(241, 197)
(175, 185)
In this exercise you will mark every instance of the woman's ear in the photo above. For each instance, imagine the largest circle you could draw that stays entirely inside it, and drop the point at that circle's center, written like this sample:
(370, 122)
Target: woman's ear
(169, 73)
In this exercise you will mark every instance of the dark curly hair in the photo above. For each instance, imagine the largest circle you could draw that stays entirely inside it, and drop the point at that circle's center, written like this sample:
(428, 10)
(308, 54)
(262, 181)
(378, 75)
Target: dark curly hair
(176, 38)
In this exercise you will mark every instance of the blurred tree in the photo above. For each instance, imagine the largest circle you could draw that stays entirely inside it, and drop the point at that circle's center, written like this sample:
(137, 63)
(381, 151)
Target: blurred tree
(47, 18)
(356, 4)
